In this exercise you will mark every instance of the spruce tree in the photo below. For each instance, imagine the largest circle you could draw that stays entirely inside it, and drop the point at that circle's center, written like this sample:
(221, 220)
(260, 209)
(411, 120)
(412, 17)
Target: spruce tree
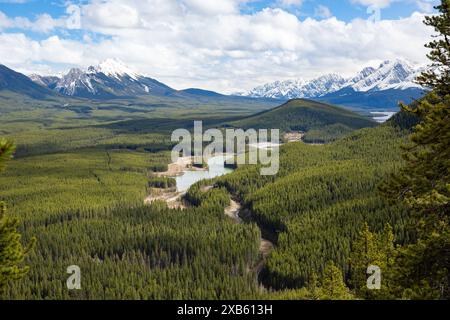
(333, 285)
(423, 184)
(12, 253)
(371, 249)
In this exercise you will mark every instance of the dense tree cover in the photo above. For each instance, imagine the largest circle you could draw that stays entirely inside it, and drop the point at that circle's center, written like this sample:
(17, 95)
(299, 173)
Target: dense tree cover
(93, 217)
(12, 252)
(317, 204)
(143, 253)
(378, 250)
(326, 134)
(80, 192)
(162, 182)
(423, 184)
(37, 188)
(321, 122)
(331, 286)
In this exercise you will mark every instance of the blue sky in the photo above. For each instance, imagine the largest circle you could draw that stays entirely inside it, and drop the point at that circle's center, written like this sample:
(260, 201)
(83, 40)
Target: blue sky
(224, 45)
(345, 10)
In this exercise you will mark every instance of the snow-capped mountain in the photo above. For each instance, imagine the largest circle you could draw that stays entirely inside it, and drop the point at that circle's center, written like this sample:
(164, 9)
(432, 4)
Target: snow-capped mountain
(389, 75)
(109, 79)
(380, 88)
(398, 74)
(115, 69)
(45, 81)
(299, 88)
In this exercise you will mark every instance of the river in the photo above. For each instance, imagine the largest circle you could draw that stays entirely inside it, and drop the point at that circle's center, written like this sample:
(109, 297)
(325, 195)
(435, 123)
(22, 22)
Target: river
(216, 168)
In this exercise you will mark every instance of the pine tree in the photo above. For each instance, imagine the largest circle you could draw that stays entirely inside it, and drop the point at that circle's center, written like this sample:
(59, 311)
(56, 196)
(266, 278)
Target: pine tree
(364, 253)
(372, 250)
(437, 78)
(333, 285)
(6, 152)
(423, 184)
(12, 253)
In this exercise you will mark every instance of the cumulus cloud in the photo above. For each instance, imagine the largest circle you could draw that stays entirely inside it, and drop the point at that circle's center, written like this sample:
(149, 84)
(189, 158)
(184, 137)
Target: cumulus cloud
(375, 3)
(288, 3)
(322, 11)
(43, 23)
(425, 5)
(190, 44)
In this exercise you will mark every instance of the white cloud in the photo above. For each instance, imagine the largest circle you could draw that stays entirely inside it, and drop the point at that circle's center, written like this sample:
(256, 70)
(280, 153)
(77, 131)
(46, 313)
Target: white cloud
(322, 11)
(212, 7)
(186, 44)
(43, 23)
(375, 3)
(112, 15)
(425, 5)
(288, 3)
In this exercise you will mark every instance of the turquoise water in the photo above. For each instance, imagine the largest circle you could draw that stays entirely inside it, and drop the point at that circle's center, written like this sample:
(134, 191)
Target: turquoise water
(216, 168)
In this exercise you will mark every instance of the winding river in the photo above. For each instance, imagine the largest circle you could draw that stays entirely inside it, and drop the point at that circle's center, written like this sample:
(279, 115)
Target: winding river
(216, 168)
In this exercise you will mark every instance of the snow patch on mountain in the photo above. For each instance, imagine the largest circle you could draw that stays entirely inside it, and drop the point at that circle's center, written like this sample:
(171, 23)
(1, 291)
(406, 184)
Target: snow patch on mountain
(109, 79)
(114, 68)
(396, 74)
(76, 79)
(299, 88)
(46, 81)
(389, 75)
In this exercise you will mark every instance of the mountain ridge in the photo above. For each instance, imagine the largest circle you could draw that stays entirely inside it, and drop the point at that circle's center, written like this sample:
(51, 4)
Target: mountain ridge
(321, 122)
(19, 83)
(391, 78)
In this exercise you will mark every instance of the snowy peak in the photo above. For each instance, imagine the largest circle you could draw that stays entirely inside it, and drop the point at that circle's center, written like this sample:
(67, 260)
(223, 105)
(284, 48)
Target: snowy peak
(45, 81)
(396, 74)
(299, 88)
(389, 75)
(75, 80)
(114, 68)
(109, 79)
(363, 74)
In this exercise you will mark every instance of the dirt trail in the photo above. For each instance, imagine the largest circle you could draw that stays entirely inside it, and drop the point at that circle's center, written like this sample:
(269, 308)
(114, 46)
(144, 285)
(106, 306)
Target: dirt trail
(265, 246)
(232, 211)
(171, 197)
(174, 200)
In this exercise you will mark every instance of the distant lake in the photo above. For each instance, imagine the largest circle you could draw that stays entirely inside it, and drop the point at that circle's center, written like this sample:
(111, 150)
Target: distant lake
(216, 168)
(382, 116)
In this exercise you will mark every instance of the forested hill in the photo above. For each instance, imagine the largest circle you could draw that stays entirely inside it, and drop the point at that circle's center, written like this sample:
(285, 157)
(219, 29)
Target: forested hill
(322, 122)
(93, 216)
(317, 204)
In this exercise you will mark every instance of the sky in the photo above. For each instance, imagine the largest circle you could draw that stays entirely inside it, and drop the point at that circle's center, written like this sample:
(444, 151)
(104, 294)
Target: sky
(223, 45)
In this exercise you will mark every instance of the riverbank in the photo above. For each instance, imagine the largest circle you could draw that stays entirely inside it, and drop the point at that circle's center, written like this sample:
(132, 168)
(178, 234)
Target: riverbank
(186, 173)
(174, 200)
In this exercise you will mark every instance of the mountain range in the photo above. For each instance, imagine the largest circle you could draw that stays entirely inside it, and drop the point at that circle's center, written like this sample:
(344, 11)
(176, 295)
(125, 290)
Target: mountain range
(381, 87)
(110, 79)
(372, 89)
